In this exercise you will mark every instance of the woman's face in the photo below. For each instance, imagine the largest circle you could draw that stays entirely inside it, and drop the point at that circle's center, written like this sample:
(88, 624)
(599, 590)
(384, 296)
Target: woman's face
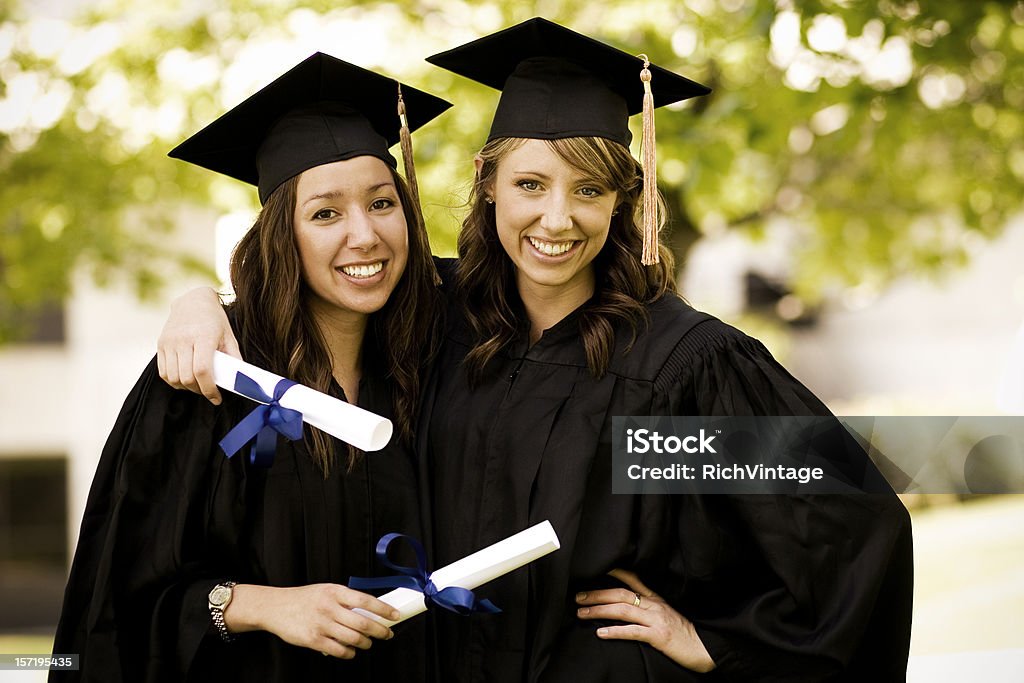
(552, 220)
(351, 235)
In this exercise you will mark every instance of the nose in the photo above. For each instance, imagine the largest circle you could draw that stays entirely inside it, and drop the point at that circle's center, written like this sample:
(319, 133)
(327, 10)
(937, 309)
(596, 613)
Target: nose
(557, 215)
(361, 232)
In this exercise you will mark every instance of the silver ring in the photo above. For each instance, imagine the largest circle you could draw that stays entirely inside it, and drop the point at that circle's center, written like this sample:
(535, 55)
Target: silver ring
(636, 600)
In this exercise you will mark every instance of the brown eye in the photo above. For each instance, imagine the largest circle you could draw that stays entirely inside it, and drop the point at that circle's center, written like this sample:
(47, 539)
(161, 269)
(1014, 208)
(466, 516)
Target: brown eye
(324, 214)
(381, 204)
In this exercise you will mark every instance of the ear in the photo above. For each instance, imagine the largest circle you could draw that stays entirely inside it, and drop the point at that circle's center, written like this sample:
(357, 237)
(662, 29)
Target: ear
(488, 192)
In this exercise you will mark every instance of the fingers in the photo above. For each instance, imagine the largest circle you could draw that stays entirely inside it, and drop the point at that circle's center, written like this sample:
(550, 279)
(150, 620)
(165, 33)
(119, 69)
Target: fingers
(189, 365)
(230, 345)
(345, 606)
(654, 621)
(363, 625)
(617, 611)
(202, 371)
(333, 648)
(161, 364)
(606, 596)
(369, 603)
(195, 328)
(167, 366)
(627, 632)
(633, 581)
(346, 636)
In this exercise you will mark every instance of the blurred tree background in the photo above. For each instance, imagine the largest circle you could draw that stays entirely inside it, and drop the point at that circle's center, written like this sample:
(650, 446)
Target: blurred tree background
(888, 135)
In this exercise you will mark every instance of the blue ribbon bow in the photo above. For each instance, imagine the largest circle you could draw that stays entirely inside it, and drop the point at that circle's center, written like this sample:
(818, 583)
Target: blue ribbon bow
(264, 423)
(455, 599)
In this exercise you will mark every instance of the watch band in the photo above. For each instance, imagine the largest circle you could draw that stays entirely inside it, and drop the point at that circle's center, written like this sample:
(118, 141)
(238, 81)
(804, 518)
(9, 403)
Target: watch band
(217, 609)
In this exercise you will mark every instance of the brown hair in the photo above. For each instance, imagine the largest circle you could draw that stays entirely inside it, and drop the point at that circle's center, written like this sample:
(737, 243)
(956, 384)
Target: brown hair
(276, 329)
(485, 276)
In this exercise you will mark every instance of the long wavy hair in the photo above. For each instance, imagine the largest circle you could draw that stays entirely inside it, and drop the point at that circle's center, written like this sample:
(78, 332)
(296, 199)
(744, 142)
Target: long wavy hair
(485, 275)
(276, 329)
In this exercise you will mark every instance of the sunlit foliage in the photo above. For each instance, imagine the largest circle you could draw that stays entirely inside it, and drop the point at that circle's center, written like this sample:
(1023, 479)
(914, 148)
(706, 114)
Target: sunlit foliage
(887, 136)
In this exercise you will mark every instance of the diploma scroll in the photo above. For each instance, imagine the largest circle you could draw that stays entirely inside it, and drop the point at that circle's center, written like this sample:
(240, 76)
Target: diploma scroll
(477, 569)
(365, 430)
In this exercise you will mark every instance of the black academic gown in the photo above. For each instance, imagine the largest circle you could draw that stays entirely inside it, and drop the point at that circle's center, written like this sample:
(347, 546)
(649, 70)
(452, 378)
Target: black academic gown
(780, 588)
(169, 516)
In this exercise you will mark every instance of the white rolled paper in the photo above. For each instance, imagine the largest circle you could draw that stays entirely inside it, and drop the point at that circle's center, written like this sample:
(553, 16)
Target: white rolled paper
(365, 430)
(475, 570)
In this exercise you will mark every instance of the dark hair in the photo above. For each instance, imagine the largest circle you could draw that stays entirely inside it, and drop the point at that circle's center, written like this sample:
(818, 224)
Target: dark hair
(276, 329)
(485, 276)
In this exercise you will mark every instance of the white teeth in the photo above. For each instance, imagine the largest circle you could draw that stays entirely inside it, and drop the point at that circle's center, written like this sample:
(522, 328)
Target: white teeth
(551, 248)
(368, 270)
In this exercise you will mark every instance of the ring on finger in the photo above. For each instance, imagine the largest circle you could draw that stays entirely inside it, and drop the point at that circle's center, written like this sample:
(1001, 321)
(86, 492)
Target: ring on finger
(636, 599)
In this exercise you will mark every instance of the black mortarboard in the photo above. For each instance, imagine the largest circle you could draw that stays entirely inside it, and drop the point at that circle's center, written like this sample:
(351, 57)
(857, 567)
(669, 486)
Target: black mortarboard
(322, 110)
(557, 83)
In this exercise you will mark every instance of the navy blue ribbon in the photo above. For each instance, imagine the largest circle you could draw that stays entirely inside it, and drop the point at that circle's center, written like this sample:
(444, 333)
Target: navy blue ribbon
(264, 423)
(455, 599)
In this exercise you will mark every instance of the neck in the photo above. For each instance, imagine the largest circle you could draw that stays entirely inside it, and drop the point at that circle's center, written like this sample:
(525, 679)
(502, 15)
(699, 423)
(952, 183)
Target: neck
(343, 333)
(546, 305)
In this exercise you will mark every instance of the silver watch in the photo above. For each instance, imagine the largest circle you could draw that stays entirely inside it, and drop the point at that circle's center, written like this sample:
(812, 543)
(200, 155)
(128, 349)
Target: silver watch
(219, 599)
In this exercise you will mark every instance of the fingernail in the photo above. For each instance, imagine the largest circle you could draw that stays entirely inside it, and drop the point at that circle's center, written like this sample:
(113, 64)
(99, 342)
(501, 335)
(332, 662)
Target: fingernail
(391, 634)
(395, 615)
(581, 596)
(602, 632)
(584, 611)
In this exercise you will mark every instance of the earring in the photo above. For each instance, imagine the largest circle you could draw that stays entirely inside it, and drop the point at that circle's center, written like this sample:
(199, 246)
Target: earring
(488, 199)
(615, 212)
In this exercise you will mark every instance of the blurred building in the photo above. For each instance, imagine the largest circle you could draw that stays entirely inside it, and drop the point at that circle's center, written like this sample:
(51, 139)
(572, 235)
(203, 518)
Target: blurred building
(61, 390)
(946, 345)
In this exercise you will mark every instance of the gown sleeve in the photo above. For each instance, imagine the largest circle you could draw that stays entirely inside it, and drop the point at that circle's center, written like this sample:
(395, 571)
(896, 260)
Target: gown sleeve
(784, 587)
(135, 606)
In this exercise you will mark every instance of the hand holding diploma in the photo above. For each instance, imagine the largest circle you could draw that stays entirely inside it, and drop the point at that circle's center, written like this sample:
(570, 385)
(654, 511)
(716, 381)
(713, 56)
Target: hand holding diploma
(287, 406)
(469, 573)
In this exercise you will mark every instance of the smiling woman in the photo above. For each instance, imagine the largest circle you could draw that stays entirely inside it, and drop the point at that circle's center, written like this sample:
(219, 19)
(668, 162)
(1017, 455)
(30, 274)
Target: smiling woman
(351, 235)
(553, 221)
(193, 566)
(556, 205)
(563, 319)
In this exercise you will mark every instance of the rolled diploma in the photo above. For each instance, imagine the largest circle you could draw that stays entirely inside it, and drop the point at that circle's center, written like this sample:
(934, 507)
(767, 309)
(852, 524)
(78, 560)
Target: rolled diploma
(477, 569)
(365, 430)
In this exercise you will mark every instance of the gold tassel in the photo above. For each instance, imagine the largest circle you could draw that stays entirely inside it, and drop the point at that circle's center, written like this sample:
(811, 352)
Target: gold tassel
(410, 171)
(407, 159)
(650, 168)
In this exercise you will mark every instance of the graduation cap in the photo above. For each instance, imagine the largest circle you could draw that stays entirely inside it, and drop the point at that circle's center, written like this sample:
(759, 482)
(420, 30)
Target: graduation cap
(322, 110)
(557, 83)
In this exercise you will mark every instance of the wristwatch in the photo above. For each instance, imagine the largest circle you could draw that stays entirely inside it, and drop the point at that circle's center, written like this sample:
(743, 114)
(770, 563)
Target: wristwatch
(219, 599)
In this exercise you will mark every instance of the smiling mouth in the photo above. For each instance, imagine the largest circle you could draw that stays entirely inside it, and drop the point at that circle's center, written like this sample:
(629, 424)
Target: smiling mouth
(552, 248)
(362, 271)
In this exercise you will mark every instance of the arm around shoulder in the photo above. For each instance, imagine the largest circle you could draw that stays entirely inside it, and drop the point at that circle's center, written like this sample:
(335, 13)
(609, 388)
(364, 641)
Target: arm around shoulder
(196, 327)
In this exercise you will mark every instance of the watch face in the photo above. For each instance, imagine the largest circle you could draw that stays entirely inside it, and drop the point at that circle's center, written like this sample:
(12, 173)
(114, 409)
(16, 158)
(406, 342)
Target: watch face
(220, 596)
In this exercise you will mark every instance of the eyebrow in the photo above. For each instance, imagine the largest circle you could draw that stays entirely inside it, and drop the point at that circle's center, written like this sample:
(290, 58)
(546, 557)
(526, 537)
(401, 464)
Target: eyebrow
(334, 194)
(581, 180)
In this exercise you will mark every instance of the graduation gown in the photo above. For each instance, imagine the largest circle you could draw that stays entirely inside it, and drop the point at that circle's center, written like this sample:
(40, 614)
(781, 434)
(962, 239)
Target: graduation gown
(169, 516)
(780, 588)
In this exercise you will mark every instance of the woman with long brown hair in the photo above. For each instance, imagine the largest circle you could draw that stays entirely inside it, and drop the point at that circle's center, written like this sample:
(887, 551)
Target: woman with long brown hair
(194, 566)
(562, 316)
